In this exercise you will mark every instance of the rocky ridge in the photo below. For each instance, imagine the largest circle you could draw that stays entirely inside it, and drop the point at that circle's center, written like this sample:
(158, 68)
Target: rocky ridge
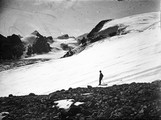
(119, 102)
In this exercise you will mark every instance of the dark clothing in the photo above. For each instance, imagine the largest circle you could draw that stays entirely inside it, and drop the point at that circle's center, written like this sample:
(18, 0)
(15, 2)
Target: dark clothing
(100, 78)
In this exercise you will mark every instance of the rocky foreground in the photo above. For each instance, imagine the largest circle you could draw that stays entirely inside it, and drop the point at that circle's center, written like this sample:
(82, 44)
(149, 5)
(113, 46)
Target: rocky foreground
(128, 101)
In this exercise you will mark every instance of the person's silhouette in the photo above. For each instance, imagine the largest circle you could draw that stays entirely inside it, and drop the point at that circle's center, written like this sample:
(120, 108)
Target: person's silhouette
(100, 77)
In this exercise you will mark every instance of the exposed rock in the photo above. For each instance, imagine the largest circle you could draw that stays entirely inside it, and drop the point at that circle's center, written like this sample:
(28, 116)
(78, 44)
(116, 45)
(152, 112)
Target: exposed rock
(36, 33)
(10, 95)
(128, 101)
(79, 38)
(50, 39)
(109, 32)
(89, 86)
(68, 54)
(38, 45)
(41, 45)
(32, 94)
(11, 47)
(97, 28)
(65, 46)
(65, 36)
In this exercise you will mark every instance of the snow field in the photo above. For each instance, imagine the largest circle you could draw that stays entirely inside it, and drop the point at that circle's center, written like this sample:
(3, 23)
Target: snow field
(134, 57)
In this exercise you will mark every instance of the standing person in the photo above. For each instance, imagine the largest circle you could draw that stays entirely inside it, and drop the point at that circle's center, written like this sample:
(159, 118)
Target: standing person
(100, 77)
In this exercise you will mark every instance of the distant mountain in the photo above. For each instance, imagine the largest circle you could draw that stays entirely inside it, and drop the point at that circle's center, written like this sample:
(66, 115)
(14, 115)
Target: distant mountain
(65, 36)
(29, 39)
(59, 44)
(37, 43)
(36, 33)
(15, 46)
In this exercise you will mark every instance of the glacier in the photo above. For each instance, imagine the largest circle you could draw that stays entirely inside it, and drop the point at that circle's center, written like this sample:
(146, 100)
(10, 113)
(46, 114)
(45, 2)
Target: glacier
(125, 58)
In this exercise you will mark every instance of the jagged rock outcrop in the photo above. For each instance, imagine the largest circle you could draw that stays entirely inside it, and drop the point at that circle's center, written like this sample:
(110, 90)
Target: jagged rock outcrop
(97, 34)
(15, 47)
(41, 45)
(97, 28)
(11, 47)
(38, 44)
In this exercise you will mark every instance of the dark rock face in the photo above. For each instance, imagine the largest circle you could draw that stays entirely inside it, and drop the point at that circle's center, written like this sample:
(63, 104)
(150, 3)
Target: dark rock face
(29, 50)
(68, 54)
(84, 41)
(79, 38)
(97, 28)
(65, 46)
(50, 39)
(93, 35)
(11, 47)
(36, 33)
(96, 34)
(109, 32)
(135, 101)
(66, 36)
(40, 45)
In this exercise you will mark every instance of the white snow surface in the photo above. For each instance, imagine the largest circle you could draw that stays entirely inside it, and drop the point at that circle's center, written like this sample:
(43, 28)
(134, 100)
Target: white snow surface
(133, 23)
(134, 57)
(78, 103)
(66, 103)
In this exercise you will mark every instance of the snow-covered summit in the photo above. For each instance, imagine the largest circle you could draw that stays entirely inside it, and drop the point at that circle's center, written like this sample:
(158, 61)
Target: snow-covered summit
(135, 23)
(125, 58)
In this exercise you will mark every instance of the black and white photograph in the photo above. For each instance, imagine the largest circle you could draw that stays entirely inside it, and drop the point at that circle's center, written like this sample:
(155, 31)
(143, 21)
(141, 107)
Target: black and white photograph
(80, 60)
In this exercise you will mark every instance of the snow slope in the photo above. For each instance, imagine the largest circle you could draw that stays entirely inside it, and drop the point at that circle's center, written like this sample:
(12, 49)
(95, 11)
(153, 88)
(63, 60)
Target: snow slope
(134, 23)
(133, 57)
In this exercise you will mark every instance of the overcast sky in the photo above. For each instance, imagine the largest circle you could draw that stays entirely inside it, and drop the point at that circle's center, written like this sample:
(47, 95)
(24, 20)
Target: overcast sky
(74, 17)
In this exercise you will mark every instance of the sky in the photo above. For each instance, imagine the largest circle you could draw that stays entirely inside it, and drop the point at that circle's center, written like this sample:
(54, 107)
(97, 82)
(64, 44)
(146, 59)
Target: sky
(73, 17)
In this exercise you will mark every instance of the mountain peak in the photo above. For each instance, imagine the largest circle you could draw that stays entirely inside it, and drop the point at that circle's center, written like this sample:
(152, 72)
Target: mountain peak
(36, 33)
